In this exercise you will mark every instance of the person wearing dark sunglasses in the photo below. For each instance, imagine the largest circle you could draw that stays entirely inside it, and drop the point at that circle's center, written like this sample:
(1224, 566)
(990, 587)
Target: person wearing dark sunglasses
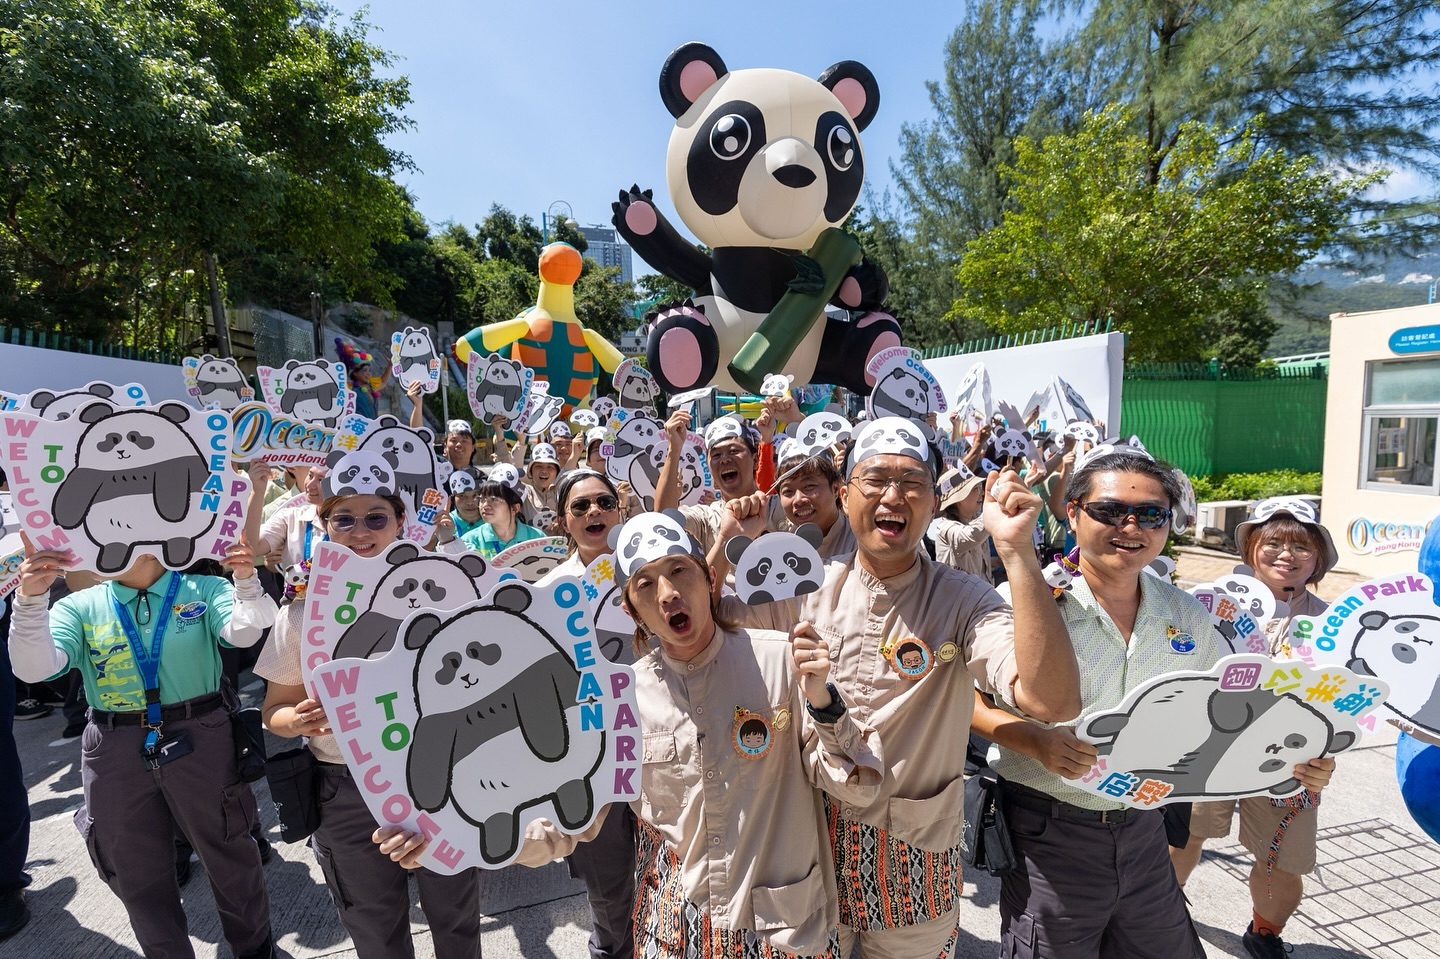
(369, 891)
(1094, 877)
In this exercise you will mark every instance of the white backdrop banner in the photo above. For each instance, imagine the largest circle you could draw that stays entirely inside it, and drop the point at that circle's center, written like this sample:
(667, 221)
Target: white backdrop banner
(24, 369)
(1092, 365)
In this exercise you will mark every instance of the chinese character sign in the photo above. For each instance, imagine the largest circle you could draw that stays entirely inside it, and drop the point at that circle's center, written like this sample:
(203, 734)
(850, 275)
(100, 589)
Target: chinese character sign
(1237, 730)
(1388, 629)
(1239, 607)
(479, 720)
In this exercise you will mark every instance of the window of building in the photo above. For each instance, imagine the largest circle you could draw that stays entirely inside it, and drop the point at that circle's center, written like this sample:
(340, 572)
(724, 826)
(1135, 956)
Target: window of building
(1401, 426)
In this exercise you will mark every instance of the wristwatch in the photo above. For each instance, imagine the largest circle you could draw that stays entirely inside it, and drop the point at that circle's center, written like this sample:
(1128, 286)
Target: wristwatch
(830, 713)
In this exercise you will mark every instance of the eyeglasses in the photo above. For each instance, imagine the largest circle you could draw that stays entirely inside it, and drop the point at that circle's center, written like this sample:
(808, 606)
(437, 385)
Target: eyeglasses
(489, 500)
(1146, 515)
(581, 506)
(344, 522)
(1273, 550)
(908, 484)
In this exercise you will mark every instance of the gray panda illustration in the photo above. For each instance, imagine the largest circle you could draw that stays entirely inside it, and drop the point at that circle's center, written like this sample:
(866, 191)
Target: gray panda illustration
(691, 471)
(220, 383)
(534, 565)
(776, 566)
(461, 481)
(635, 436)
(137, 481)
(416, 353)
(760, 163)
(1216, 742)
(409, 453)
(901, 393)
(614, 629)
(647, 537)
(359, 473)
(499, 729)
(1083, 432)
(776, 384)
(501, 388)
(643, 473)
(61, 406)
(415, 581)
(311, 393)
(1252, 596)
(637, 389)
(820, 431)
(1404, 651)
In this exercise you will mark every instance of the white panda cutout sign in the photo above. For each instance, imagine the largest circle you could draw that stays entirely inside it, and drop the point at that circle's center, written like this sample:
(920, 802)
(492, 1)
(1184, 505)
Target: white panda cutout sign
(1236, 730)
(114, 483)
(904, 386)
(1388, 631)
(510, 682)
(214, 382)
(315, 392)
(776, 566)
(496, 386)
(413, 359)
(51, 405)
(1240, 606)
(637, 389)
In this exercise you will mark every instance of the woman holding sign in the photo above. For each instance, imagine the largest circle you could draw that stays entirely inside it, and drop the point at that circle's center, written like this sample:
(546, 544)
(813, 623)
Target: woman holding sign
(740, 728)
(1284, 543)
(158, 754)
(368, 890)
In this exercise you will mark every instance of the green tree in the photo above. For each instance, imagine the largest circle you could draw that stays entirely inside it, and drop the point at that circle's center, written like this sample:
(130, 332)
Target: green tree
(1093, 236)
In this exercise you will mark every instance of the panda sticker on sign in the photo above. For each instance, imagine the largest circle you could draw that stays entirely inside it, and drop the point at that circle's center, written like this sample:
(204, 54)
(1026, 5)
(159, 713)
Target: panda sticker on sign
(113, 483)
(413, 359)
(215, 383)
(510, 681)
(314, 392)
(1236, 730)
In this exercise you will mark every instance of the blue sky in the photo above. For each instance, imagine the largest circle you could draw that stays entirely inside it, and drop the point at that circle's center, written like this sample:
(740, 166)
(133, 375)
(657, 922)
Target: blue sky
(526, 103)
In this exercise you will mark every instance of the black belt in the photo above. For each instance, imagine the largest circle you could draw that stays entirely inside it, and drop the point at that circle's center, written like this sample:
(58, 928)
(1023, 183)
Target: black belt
(334, 770)
(190, 708)
(1036, 801)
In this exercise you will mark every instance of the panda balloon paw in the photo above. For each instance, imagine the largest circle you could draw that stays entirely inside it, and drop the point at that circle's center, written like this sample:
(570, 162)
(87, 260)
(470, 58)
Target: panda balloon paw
(847, 348)
(865, 288)
(684, 351)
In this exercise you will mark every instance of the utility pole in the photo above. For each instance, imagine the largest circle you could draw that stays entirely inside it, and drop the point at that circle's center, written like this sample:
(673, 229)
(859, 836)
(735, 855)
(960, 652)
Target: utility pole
(217, 310)
(318, 325)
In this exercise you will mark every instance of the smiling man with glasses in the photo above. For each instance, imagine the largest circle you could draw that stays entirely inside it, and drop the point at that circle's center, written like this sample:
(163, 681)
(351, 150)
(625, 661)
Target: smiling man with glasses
(909, 640)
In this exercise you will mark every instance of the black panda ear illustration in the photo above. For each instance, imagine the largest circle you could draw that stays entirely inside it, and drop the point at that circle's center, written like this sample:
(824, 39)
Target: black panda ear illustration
(291, 364)
(422, 629)
(402, 553)
(854, 86)
(674, 514)
(41, 399)
(334, 457)
(1288, 786)
(689, 71)
(1374, 619)
(810, 533)
(176, 413)
(102, 390)
(513, 597)
(95, 412)
(735, 548)
(1340, 741)
(472, 565)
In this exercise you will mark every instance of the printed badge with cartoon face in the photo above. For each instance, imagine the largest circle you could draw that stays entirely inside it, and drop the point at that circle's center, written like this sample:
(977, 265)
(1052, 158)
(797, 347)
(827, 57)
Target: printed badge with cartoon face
(751, 735)
(911, 658)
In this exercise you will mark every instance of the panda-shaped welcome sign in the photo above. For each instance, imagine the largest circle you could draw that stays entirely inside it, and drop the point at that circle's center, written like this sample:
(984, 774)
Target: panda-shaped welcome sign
(480, 719)
(112, 483)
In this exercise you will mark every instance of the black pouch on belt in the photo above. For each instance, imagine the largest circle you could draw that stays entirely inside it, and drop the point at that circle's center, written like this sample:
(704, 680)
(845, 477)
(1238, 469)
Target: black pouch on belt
(295, 790)
(985, 841)
(249, 733)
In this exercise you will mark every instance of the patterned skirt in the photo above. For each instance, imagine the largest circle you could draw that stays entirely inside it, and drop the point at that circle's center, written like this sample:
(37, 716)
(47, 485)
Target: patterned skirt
(885, 883)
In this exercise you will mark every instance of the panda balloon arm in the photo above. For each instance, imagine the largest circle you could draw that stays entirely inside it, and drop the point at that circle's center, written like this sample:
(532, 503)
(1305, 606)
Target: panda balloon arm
(659, 244)
(608, 356)
(1315, 774)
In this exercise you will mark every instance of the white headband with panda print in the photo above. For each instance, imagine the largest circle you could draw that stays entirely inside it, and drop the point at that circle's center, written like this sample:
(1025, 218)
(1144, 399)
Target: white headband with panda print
(647, 537)
(725, 428)
(1131, 447)
(505, 475)
(889, 434)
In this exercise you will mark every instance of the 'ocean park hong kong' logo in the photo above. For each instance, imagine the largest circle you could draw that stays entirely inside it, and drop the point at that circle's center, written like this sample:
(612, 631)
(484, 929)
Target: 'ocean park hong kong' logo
(278, 439)
(1365, 536)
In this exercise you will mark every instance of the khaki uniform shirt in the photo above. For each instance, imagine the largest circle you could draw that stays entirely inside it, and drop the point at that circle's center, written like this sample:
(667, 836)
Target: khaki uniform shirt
(749, 834)
(965, 546)
(536, 499)
(924, 723)
(1110, 668)
(703, 522)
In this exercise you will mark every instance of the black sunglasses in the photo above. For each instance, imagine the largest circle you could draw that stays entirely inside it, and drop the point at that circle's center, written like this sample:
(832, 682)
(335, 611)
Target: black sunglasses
(1147, 515)
(376, 521)
(581, 506)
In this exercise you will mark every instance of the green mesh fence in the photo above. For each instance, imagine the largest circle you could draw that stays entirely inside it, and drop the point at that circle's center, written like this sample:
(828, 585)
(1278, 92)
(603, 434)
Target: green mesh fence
(1207, 420)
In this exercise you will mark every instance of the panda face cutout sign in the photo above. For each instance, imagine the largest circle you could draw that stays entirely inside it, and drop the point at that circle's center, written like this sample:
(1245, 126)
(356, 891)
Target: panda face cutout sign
(315, 392)
(418, 477)
(413, 359)
(637, 389)
(511, 681)
(819, 432)
(361, 473)
(776, 566)
(50, 405)
(119, 483)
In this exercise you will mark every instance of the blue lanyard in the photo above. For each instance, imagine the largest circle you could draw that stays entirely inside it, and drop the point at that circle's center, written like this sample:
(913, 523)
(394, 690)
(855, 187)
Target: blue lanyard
(148, 661)
(309, 532)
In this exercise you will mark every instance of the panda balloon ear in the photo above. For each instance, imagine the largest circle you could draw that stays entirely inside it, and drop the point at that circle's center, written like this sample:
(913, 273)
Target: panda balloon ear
(854, 86)
(689, 71)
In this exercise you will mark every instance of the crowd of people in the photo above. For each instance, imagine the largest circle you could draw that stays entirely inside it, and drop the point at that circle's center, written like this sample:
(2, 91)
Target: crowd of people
(824, 816)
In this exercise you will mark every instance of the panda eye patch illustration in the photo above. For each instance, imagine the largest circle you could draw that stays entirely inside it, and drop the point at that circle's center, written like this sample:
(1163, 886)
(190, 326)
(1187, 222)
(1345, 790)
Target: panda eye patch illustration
(799, 564)
(110, 441)
(1408, 628)
(731, 136)
(840, 144)
(405, 588)
(487, 653)
(435, 591)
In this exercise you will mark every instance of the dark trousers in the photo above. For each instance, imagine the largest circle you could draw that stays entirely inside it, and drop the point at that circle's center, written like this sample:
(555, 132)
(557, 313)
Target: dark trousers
(132, 813)
(369, 889)
(606, 865)
(1092, 890)
(14, 801)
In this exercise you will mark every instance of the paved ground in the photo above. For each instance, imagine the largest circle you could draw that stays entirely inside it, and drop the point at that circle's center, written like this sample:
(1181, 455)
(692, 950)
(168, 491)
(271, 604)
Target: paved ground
(1377, 893)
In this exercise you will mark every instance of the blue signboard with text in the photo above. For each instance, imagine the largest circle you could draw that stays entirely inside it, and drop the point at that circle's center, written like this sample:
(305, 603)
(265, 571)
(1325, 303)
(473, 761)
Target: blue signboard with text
(1416, 339)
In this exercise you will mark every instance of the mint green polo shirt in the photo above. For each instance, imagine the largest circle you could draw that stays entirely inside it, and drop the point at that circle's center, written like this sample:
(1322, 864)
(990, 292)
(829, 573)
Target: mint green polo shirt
(84, 625)
(483, 540)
